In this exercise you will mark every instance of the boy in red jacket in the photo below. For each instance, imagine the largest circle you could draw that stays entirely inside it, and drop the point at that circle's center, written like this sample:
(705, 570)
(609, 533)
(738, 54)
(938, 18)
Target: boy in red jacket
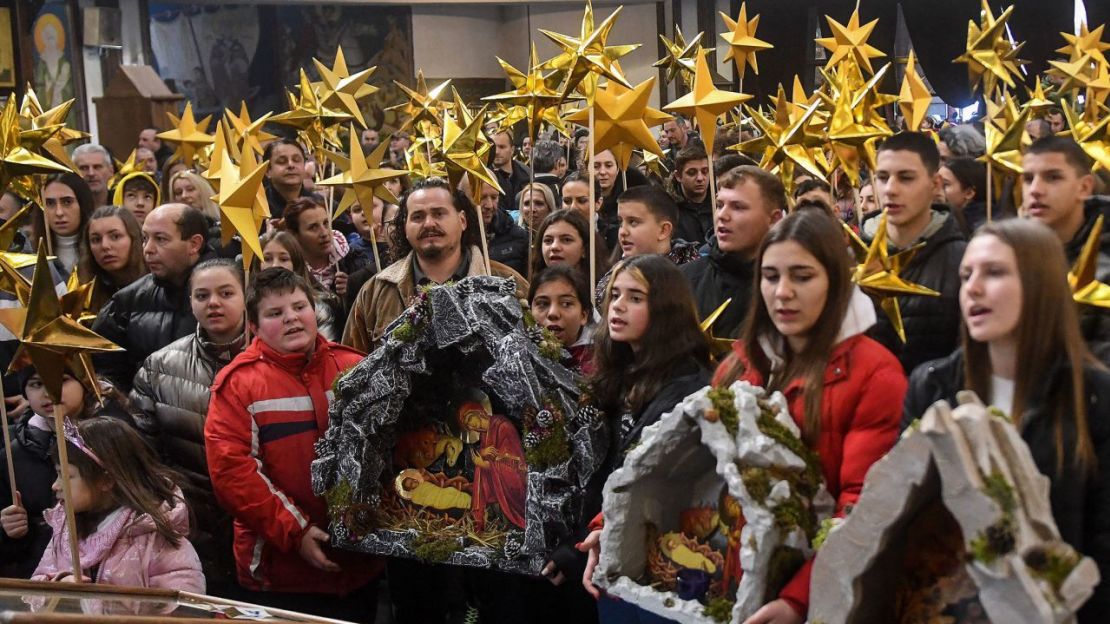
(268, 408)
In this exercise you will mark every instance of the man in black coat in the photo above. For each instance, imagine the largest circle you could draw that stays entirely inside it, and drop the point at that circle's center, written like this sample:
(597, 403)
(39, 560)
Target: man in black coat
(690, 189)
(154, 310)
(1057, 183)
(511, 175)
(751, 201)
(906, 181)
(507, 241)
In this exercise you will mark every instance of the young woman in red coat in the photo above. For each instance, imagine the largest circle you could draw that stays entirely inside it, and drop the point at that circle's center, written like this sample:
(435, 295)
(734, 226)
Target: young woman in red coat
(804, 338)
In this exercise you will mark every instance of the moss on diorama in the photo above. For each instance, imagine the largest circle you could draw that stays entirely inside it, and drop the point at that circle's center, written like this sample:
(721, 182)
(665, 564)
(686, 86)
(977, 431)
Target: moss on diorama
(995, 541)
(791, 513)
(1000, 491)
(811, 480)
(433, 549)
(405, 332)
(723, 401)
(998, 413)
(756, 481)
(338, 498)
(719, 609)
(1052, 564)
(550, 450)
(823, 532)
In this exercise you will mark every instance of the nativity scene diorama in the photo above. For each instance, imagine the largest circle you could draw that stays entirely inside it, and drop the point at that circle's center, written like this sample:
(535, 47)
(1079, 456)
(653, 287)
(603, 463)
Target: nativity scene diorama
(714, 511)
(460, 440)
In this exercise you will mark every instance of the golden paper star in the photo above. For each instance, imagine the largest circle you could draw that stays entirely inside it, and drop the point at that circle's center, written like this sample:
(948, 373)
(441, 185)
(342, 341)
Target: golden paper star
(588, 54)
(1038, 102)
(460, 146)
(854, 128)
(1093, 138)
(877, 274)
(742, 43)
(423, 104)
(850, 41)
(785, 142)
(680, 57)
(364, 178)
(222, 145)
(622, 117)
(49, 340)
(718, 346)
(914, 97)
(77, 302)
(15, 159)
(188, 134)
(242, 205)
(1087, 43)
(705, 103)
(1003, 145)
(420, 167)
(1085, 287)
(539, 101)
(340, 90)
(247, 131)
(125, 168)
(51, 124)
(989, 55)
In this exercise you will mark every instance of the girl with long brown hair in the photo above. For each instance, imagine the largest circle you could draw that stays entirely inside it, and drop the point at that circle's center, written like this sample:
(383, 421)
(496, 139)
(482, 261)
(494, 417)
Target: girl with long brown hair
(111, 251)
(564, 238)
(132, 521)
(804, 337)
(1022, 351)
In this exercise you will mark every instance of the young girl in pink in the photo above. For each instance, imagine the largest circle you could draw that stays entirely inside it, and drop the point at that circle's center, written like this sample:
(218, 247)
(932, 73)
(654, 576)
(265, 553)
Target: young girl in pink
(131, 517)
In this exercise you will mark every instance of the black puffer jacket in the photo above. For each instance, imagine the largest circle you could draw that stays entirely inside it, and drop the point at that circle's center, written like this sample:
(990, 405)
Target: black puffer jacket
(716, 278)
(695, 219)
(508, 242)
(1094, 322)
(34, 474)
(932, 323)
(147, 315)
(1080, 500)
(171, 394)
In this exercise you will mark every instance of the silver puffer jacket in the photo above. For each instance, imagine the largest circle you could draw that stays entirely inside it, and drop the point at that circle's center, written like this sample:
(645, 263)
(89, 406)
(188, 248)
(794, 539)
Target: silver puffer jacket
(170, 395)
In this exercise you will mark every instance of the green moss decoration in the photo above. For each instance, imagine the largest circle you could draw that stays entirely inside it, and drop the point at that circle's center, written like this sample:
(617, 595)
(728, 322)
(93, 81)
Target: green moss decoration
(998, 413)
(1000, 491)
(1052, 565)
(827, 526)
(338, 499)
(719, 609)
(405, 332)
(723, 401)
(779, 433)
(997, 540)
(757, 482)
(552, 450)
(434, 549)
(792, 513)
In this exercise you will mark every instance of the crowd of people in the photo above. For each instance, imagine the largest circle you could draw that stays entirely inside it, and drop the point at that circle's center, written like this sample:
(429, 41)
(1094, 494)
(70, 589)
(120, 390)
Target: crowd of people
(191, 450)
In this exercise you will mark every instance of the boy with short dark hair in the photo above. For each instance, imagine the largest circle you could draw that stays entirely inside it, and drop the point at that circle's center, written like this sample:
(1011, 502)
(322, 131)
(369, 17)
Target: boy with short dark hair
(269, 406)
(906, 181)
(647, 217)
(690, 190)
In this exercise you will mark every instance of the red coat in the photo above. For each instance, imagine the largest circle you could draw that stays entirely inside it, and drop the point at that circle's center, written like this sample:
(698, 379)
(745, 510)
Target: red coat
(861, 409)
(266, 413)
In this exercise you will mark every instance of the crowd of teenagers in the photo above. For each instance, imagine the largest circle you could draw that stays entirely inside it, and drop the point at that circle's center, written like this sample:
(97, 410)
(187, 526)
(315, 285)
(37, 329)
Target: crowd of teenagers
(191, 456)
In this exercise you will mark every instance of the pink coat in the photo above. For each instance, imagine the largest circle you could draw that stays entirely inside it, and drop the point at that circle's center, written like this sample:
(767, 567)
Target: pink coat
(126, 551)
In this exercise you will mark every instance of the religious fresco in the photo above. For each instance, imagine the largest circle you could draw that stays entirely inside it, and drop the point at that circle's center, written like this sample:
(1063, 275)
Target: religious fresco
(53, 76)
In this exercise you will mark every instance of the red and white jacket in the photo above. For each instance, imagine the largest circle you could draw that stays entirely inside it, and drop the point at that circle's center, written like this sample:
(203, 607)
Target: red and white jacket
(266, 413)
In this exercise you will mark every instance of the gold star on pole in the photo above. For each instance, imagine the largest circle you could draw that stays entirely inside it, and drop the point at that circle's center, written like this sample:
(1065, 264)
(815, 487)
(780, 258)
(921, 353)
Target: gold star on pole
(1038, 103)
(1087, 43)
(1085, 287)
(242, 128)
(705, 103)
(588, 54)
(77, 303)
(719, 346)
(222, 145)
(742, 43)
(854, 128)
(680, 57)
(188, 134)
(242, 204)
(460, 151)
(1093, 138)
(877, 274)
(422, 105)
(15, 159)
(622, 117)
(1003, 145)
(914, 97)
(850, 41)
(48, 125)
(989, 55)
(125, 168)
(341, 90)
(540, 103)
(786, 141)
(364, 178)
(49, 339)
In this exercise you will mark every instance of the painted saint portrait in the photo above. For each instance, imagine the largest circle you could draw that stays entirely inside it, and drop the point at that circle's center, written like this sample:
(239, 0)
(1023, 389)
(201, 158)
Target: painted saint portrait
(53, 75)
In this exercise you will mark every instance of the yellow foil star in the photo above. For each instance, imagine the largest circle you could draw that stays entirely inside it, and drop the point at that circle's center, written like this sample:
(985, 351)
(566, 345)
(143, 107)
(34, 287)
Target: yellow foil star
(364, 178)
(914, 97)
(48, 339)
(242, 206)
(241, 127)
(460, 151)
(622, 117)
(718, 346)
(785, 141)
(188, 134)
(423, 104)
(1085, 287)
(850, 42)
(341, 90)
(989, 55)
(1004, 144)
(742, 44)
(538, 101)
(705, 103)
(877, 274)
(15, 159)
(588, 54)
(680, 56)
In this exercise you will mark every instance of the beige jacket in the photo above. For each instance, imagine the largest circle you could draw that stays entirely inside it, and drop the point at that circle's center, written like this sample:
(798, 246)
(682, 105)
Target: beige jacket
(386, 295)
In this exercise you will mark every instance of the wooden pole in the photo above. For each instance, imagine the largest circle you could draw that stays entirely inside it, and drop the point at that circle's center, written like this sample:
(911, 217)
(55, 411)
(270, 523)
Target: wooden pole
(8, 448)
(593, 202)
(990, 189)
(67, 496)
(476, 191)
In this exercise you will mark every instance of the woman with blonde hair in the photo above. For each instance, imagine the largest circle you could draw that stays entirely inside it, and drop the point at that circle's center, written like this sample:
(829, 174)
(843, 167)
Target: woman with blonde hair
(536, 201)
(188, 187)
